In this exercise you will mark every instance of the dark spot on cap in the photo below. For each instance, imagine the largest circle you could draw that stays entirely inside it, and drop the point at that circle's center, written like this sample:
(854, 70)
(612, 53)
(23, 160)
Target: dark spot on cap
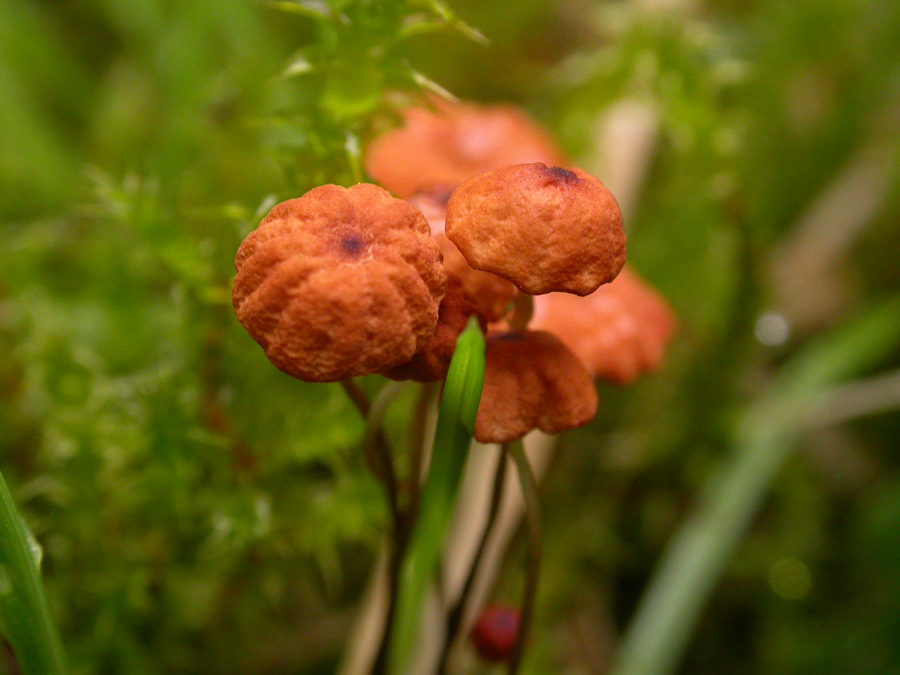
(352, 244)
(562, 175)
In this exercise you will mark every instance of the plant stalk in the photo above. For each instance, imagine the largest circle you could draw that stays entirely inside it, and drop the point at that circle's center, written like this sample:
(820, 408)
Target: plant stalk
(763, 439)
(456, 420)
(455, 615)
(24, 614)
(534, 552)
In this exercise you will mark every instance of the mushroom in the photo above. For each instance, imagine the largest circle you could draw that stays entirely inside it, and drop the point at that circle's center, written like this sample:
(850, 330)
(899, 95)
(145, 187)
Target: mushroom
(430, 363)
(619, 331)
(543, 228)
(491, 294)
(453, 142)
(339, 283)
(531, 381)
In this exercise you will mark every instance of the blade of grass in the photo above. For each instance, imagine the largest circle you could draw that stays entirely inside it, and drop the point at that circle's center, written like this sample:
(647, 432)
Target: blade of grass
(24, 615)
(763, 439)
(456, 421)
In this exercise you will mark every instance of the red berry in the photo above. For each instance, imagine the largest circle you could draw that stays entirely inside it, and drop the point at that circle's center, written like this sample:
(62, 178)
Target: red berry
(496, 631)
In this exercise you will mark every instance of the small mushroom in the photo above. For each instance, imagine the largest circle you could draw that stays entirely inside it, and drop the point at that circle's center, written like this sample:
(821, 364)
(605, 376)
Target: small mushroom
(619, 331)
(430, 363)
(453, 142)
(543, 228)
(339, 283)
(531, 381)
(491, 294)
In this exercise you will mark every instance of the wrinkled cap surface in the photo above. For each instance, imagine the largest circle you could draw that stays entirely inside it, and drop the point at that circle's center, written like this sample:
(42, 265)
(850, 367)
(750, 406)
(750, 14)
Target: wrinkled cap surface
(619, 332)
(453, 142)
(431, 361)
(543, 228)
(531, 381)
(339, 283)
(490, 294)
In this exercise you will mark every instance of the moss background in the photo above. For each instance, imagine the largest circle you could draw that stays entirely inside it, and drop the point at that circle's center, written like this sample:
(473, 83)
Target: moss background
(200, 512)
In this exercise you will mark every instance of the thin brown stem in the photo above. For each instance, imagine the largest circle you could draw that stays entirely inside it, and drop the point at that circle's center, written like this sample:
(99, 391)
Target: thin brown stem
(523, 308)
(357, 396)
(380, 461)
(375, 446)
(418, 429)
(527, 480)
(377, 450)
(455, 615)
(379, 666)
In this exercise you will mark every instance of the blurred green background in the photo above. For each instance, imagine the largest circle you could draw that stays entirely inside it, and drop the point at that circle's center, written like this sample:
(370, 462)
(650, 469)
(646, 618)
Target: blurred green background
(200, 512)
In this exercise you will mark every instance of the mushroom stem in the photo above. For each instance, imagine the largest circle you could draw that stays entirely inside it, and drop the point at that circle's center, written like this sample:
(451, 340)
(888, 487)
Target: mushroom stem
(523, 309)
(454, 616)
(417, 444)
(380, 462)
(357, 396)
(516, 452)
(375, 446)
(378, 453)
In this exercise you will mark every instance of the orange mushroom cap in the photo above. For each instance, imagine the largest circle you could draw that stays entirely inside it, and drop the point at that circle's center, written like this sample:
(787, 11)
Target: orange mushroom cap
(490, 294)
(619, 331)
(454, 142)
(339, 283)
(531, 381)
(430, 363)
(543, 228)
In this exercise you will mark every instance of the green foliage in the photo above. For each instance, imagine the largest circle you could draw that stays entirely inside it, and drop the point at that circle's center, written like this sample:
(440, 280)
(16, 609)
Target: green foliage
(187, 494)
(333, 86)
(24, 617)
(201, 512)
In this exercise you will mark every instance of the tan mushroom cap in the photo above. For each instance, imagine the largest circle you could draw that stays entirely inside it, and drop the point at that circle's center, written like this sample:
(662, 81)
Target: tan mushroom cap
(453, 142)
(543, 228)
(491, 294)
(430, 363)
(619, 332)
(531, 381)
(339, 283)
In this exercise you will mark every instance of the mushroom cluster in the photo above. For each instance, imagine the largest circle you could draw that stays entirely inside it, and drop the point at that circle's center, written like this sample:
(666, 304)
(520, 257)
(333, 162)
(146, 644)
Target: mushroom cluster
(345, 282)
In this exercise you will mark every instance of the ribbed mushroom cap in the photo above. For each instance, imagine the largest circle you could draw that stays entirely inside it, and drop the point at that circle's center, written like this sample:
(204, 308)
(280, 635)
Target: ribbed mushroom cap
(619, 331)
(543, 228)
(431, 361)
(453, 142)
(339, 283)
(531, 381)
(491, 294)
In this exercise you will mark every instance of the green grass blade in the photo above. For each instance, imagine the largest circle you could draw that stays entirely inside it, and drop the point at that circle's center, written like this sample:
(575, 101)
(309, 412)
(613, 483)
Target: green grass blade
(456, 421)
(24, 615)
(763, 439)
